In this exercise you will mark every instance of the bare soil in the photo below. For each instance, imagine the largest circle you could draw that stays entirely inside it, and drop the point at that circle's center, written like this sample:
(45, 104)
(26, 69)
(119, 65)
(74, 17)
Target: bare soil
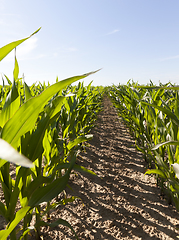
(121, 203)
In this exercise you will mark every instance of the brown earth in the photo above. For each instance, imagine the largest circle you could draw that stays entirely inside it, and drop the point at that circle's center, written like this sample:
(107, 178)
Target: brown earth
(121, 203)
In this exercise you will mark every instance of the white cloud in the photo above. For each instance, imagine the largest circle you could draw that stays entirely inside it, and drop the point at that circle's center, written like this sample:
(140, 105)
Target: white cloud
(2, 4)
(113, 32)
(10, 20)
(2, 23)
(55, 54)
(23, 51)
(68, 49)
(169, 58)
(64, 50)
(72, 49)
(27, 47)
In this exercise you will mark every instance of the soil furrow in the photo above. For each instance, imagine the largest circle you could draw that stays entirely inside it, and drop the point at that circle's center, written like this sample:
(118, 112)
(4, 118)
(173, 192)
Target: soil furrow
(121, 203)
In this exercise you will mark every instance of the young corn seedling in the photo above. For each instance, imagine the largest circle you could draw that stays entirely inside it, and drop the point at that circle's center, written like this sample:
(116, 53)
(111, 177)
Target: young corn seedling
(28, 124)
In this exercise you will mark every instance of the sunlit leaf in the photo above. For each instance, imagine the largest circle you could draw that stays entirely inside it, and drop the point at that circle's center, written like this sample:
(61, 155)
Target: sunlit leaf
(4, 51)
(176, 169)
(8, 153)
(25, 117)
(16, 70)
(164, 144)
(18, 217)
(156, 171)
(79, 140)
(56, 223)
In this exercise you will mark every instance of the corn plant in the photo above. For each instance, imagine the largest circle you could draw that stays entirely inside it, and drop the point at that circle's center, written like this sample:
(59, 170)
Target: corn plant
(152, 115)
(29, 138)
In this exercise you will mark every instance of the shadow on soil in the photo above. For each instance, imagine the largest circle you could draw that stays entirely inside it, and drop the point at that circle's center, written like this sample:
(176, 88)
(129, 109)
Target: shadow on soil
(120, 203)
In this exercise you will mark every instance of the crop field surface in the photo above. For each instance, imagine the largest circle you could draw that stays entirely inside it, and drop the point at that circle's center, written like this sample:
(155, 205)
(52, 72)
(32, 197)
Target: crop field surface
(85, 162)
(121, 203)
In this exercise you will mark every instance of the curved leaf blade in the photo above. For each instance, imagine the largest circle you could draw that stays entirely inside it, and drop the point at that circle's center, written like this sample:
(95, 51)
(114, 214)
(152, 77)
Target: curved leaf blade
(48, 192)
(164, 144)
(25, 117)
(8, 153)
(78, 140)
(18, 217)
(56, 223)
(176, 169)
(164, 110)
(156, 171)
(4, 51)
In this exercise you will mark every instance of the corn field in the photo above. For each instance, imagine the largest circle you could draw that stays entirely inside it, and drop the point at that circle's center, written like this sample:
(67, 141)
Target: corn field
(151, 113)
(43, 128)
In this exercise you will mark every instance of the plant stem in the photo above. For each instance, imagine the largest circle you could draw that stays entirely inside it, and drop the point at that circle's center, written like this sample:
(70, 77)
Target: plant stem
(13, 235)
(25, 226)
(48, 213)
(37, 220)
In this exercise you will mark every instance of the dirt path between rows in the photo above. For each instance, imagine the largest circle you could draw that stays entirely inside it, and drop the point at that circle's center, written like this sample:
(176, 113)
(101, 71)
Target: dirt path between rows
(121, 203)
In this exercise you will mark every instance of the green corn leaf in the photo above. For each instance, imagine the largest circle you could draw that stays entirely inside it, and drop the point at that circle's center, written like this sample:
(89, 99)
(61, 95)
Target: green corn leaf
(25, 117)
(47, 193)
(13, 94)
(27, 92)
(61, 202)
(156, 171)
(164, 144)
(83, 169)
(79, 140)
(166, 111)
(8, 153)
(11, 105)
(38, 182)
(4, 51)
(35, 144)
(26, 232)
(12, 203)
(160, 161)
(177, 104)
(16, 70)
(18, 217)
(54, 107)
(3, 210)
(9, 81)
(56, 223)
(158, 87)
(67, 200)
(6, 190)
(75, 167)
(176, 169)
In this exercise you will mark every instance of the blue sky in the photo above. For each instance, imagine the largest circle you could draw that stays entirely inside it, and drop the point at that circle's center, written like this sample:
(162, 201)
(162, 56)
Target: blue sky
(128, 39)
